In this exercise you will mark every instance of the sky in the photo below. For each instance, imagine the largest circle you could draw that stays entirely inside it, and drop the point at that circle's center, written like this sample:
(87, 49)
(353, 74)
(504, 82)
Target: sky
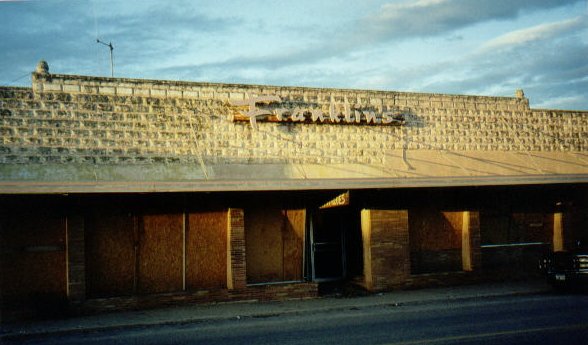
(471, 47)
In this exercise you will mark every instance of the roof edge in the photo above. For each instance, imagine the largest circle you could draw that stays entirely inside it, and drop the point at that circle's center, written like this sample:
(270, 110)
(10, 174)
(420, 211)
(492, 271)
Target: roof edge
(105, 187)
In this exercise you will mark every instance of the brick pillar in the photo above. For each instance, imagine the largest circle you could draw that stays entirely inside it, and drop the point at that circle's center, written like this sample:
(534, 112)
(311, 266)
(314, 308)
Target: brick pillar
(466, 243)
(236, 274)
(475, 249)
(558, 233)
(385, 248)
(470, 240)
(76, 260)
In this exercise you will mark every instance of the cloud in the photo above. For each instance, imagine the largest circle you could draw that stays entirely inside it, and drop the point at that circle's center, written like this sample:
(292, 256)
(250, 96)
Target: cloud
(575, 101)
(64, 33)
(145, 45)
(394, 21)
(434, 17)
(34, 30)
(540, 32)
(162, 21)
(177, 40)
(548, 61)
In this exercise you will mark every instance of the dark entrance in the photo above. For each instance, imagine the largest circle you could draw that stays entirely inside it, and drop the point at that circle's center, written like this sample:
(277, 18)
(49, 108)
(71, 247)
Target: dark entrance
(336, 247)
(327, 245)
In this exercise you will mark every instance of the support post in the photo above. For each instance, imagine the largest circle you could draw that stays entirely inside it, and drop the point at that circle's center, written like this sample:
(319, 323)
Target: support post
(558, 242)
(366, 235)
(386, 248)
(76, 259)
(466, 245)
(236, 264)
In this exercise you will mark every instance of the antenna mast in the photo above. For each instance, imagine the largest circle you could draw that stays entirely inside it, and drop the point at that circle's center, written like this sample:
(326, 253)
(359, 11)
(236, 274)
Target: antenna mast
(109, 45)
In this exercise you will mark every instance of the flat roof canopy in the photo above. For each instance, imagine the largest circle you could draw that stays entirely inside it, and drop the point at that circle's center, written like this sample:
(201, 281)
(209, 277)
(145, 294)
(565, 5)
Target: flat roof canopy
(36, 187)
(412, 170)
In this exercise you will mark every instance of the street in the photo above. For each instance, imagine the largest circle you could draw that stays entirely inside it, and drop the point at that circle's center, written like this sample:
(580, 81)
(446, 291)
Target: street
(545, 319)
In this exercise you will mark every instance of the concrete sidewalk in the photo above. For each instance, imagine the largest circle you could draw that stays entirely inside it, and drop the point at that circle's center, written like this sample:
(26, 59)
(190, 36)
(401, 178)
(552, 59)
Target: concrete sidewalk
(226, 311)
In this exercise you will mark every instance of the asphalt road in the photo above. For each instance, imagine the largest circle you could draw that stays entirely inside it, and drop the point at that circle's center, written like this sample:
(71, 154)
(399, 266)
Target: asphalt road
(538, 319)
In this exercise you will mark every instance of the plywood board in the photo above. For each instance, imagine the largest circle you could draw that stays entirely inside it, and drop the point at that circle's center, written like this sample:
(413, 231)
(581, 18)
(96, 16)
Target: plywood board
(33, 260)
(160, 253)
(432, 230)
(293, 237)
(110, 254)
(494, 228)
(264, 244)
(206, 250)
(274, 240)
(435, 241)
(501, 228)
(533, 227)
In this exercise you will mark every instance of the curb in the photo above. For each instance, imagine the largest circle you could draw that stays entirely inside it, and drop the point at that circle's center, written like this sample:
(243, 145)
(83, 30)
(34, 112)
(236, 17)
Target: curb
(23, 335)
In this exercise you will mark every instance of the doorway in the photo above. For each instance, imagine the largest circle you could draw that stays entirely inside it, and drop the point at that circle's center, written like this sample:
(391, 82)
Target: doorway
(335, 244)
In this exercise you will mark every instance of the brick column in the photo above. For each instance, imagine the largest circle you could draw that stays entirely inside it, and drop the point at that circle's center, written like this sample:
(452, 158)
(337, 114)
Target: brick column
(470, 240)
(466, 243)
(558, 232)
(385, 248)
(236, 274)
(475, 249)
(76, 260)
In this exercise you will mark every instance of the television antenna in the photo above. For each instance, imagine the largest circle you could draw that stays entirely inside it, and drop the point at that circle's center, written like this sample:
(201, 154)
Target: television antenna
(109, 45)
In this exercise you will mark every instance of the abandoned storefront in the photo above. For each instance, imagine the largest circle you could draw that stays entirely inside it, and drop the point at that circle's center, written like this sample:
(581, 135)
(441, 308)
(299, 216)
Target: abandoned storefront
(120, 193)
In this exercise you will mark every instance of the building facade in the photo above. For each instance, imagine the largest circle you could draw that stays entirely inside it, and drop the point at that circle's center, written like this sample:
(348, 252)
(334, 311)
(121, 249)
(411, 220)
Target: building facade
(123, 193)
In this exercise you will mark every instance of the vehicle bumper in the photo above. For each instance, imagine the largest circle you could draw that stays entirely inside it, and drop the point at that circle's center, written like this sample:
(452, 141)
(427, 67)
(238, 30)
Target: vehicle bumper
(568, 277)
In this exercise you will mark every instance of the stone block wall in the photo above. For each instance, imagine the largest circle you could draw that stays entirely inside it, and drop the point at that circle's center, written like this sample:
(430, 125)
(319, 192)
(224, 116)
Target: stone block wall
(75, 119)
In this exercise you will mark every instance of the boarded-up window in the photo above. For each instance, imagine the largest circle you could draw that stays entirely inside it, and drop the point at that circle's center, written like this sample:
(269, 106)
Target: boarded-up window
(293, 237)
(160, 253)
(435, 241)
(516, 228)
(206, 250)
(33, 267)
(110, 254)
(274, 240)
(514, 242)
(128, 254)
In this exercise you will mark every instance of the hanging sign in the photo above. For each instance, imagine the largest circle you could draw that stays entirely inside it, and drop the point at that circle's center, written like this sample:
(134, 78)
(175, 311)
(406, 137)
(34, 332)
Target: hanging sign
(338, 201)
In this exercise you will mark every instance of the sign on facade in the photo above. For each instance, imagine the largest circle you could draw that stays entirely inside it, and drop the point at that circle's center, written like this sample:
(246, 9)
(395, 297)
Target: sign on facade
(272, 109)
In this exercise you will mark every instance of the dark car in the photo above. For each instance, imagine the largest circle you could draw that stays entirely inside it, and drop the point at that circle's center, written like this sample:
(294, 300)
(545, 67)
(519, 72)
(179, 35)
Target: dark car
(567, 269)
